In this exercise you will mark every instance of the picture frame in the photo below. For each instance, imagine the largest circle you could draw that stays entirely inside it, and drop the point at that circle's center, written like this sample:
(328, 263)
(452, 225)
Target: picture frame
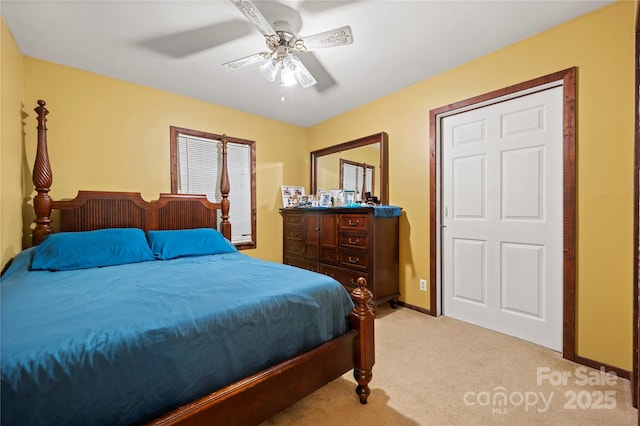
(291, 195)
(335, 193)
(349, 197)
(325, 199)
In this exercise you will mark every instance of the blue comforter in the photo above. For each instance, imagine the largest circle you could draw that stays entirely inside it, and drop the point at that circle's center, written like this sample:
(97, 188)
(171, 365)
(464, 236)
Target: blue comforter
(124, 344)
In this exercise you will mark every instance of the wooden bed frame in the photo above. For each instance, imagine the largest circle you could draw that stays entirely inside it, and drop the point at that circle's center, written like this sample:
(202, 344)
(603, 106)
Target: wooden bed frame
(255, 398)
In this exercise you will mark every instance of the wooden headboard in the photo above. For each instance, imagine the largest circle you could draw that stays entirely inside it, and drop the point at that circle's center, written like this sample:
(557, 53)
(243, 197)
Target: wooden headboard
(92, 210)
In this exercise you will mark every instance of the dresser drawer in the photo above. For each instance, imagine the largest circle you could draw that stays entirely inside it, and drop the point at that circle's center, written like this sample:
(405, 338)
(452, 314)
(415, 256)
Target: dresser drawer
(293, 232)
(354, 259)
(294, 248)
(353, 222)
(329, 254)
(349, 279)
(354, 240)
(293, 219)
(303, 264)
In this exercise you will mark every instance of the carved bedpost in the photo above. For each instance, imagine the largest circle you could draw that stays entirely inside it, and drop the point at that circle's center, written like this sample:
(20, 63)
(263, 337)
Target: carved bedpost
(42, 179)
(364, 181)
(361, 319)
(225, 225)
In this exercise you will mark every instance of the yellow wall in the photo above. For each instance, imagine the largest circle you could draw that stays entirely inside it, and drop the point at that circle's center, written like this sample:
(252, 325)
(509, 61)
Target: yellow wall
(601, 45)
(111, 135)
(106, 134)
(11, 148)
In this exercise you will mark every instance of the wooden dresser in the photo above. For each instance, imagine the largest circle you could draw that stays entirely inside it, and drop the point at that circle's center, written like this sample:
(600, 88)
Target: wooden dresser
(345, 243)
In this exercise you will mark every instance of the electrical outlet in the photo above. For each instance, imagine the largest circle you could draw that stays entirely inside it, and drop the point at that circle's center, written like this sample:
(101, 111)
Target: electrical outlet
(423, 285)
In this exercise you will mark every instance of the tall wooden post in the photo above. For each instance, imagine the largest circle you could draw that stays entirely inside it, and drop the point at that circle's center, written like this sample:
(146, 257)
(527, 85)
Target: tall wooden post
(361, 319)
(225, 187)
(42, 179)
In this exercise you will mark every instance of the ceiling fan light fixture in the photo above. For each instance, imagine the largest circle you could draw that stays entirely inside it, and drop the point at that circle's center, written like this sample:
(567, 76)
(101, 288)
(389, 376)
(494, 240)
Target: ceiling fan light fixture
(286, 77)
(269, 69)
(300, 73)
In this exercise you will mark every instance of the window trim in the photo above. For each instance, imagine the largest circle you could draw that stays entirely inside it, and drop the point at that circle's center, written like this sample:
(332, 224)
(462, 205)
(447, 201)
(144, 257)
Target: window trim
(173, 143)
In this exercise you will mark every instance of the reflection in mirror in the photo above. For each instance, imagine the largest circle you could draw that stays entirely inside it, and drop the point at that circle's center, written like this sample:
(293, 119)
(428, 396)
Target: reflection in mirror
(328, 168)
(358, 177)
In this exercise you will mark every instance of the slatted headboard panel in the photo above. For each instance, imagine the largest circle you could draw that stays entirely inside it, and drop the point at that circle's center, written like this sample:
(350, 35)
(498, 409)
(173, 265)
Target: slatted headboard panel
(181, 212)
(92, 210)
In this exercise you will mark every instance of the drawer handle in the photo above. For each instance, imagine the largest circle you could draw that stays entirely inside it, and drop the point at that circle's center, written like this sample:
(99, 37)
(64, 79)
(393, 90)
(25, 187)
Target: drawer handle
(354, 223)
(293, 234)
(354, 282)
(294, 248)
(352, 260)
(354, 242)
(294, 220)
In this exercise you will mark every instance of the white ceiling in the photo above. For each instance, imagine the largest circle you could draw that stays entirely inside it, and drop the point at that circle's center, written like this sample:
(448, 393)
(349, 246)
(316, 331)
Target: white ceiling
(179, 46)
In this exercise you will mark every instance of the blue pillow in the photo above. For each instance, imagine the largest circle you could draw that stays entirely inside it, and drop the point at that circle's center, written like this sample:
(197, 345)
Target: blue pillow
(167, 245)
(79, 250)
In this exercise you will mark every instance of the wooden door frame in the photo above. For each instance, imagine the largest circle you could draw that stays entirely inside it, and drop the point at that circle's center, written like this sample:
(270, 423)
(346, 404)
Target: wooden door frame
(568, 77)
(635, 376)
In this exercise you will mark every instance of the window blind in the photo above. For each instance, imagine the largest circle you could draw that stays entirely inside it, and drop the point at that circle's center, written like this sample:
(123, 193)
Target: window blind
(199, 170)
(352, 176)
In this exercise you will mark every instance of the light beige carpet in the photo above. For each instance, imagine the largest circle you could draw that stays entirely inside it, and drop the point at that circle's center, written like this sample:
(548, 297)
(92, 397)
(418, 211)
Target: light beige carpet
(439, 371)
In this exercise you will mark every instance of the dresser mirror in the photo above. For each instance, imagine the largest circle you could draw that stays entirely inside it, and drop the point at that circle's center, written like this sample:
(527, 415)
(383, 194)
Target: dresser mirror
(360, 165)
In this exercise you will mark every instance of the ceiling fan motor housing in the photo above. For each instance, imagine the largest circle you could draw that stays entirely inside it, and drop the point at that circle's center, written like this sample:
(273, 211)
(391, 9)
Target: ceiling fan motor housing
(283, 43)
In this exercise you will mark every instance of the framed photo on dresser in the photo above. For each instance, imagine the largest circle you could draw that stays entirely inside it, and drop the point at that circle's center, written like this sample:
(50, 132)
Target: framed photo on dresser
(324, 199)
(291, 195)
(349, 197)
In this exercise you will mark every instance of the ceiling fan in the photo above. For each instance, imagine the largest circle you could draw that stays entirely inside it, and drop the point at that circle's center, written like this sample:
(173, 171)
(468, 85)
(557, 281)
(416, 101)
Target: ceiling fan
(283, 43)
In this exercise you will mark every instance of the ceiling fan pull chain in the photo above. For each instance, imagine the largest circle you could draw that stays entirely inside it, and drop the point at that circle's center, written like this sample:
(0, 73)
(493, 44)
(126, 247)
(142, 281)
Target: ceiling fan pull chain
(282, 86)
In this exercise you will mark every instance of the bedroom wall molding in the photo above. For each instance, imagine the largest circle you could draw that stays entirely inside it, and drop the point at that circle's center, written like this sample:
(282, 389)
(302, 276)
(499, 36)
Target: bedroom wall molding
(620, 372)
(568, 79)
(414, 307)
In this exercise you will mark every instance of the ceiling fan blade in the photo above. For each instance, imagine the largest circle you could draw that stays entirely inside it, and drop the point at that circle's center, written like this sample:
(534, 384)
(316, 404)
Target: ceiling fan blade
(338, 37)
(247, 60)
(252, 13)
(186, 43)
(313, 65)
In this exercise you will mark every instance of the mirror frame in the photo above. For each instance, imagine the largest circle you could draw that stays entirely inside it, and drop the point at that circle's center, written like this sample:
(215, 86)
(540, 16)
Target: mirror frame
(382, 138)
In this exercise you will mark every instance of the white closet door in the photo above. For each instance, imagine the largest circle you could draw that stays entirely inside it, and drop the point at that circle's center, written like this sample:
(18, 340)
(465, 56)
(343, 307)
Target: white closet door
(502, 215)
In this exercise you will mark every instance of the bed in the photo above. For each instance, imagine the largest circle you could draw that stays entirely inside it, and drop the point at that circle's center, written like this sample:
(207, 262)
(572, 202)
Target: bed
(143, 312)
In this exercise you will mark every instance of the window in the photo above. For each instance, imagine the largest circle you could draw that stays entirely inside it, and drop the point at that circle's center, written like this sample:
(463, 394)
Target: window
(358, 177)
(196, 165)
